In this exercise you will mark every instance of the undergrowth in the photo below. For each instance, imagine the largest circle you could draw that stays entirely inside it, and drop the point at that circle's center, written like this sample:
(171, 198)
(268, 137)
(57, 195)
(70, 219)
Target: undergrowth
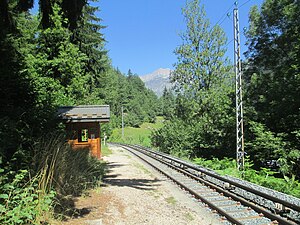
(44, 190)
(21, 199)
(264, 177)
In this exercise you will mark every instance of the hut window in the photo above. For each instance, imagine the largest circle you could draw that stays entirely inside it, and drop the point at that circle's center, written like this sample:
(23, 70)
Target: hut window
(83, 135)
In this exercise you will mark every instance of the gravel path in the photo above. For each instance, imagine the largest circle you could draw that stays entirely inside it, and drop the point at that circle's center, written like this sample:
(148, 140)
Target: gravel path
(134, 193)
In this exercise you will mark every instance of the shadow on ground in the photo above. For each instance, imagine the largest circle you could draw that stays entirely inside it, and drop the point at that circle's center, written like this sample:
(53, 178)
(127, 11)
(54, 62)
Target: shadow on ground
(142, 184)
(111, 165)
(66, 209)
(112, 179)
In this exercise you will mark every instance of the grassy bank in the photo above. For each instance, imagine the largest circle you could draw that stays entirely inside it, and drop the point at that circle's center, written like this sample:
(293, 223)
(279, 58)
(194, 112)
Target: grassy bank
(139, 135)
(105, 150)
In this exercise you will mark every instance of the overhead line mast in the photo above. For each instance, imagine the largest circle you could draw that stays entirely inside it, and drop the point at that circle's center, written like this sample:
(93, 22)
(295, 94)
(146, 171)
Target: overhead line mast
(122, 109)
(240, 153)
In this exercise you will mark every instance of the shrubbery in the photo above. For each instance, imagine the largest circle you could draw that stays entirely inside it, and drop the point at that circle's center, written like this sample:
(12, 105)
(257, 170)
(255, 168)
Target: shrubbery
(56, 173)
(21, 200)
(264, 177)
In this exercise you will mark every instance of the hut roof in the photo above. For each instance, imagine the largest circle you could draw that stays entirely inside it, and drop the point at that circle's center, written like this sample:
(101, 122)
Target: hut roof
(84, 113)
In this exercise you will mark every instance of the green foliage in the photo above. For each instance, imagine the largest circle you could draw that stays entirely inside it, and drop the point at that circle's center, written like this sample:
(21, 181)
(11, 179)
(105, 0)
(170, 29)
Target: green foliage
(267, 145)
(56, 66)
(215, 163)
(264, 144)
(264, 177)
(57, 174)
(167, 103)
(204, 116)
(21, 200)
(175, 137)
(88, 37)
(17, 96)
(272, 83)
(200, 57)
(139, 103)
(72, 11)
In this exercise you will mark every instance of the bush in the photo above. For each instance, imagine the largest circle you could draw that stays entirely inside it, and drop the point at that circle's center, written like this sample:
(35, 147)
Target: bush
(56, 172)
(21, 200)
(192, 139)
(264, 177)
(265, 145)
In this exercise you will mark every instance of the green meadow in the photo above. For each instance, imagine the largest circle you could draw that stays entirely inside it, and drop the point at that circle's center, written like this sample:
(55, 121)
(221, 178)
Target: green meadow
(133, 135)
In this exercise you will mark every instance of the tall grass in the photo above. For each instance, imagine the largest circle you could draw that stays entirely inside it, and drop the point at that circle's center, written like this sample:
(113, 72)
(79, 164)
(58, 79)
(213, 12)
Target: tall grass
(68, 171)
(56, 173)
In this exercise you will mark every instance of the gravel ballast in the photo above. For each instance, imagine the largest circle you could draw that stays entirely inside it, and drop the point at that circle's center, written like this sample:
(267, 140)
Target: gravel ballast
(134, 193)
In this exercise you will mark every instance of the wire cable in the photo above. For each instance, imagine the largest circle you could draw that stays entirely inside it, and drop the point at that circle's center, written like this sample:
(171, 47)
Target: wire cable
(228, 43)
(227, 14)
(244, 4)
(224, 15)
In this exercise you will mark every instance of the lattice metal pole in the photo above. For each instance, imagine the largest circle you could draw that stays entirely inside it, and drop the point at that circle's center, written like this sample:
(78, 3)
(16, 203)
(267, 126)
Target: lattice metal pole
(240, 160)
(122, 122)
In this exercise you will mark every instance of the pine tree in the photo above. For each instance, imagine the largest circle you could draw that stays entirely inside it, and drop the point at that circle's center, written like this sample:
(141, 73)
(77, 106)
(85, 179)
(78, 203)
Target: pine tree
(17, 97)
(56, 66)
(88, 37)
(72, 10)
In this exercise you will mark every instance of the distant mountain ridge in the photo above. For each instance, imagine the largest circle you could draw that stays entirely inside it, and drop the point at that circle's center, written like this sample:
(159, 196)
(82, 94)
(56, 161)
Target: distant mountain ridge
(158, 80)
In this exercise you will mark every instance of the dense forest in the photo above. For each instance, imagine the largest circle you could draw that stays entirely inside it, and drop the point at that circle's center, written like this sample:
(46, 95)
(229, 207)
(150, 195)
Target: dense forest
(203, 115)
(55, 58)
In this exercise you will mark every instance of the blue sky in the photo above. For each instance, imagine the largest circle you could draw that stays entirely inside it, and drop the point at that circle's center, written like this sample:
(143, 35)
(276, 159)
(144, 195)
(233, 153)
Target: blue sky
(142, 34)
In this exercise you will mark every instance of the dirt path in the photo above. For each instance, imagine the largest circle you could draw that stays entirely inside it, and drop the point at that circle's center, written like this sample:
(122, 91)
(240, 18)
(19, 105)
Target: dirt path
(134, 193)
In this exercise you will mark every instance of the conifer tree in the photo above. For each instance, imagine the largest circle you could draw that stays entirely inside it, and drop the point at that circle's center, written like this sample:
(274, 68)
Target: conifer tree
(89, 38)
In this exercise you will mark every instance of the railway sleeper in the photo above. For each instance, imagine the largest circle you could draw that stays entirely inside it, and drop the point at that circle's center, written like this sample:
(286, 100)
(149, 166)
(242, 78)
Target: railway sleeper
(219, 205)
(281, 209)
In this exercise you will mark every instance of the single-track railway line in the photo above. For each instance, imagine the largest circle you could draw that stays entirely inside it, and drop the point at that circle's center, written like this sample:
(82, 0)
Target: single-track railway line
(236, 201)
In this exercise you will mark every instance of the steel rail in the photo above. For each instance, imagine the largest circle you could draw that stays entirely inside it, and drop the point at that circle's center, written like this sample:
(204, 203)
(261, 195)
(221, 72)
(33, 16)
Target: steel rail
(244, 187)
(259, 209)
(267, 213)
(211, 205)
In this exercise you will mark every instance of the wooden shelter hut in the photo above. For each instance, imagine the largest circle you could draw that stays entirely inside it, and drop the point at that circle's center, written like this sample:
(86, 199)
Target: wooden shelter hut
(83, 126)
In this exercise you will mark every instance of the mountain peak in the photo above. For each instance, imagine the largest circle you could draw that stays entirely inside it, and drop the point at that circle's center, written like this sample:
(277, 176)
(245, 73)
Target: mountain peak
(157, 80)
(161, 72)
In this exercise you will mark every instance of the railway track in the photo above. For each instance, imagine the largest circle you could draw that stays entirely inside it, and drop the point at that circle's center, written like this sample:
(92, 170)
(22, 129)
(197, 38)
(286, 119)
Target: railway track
(236, 201)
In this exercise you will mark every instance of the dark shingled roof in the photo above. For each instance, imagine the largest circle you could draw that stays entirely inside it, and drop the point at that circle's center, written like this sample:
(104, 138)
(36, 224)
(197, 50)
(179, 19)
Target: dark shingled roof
(84, 113)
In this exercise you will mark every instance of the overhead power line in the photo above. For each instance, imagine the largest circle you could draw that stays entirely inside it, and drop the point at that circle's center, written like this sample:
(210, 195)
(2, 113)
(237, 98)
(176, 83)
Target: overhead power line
(225, 15)
(244, 4)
